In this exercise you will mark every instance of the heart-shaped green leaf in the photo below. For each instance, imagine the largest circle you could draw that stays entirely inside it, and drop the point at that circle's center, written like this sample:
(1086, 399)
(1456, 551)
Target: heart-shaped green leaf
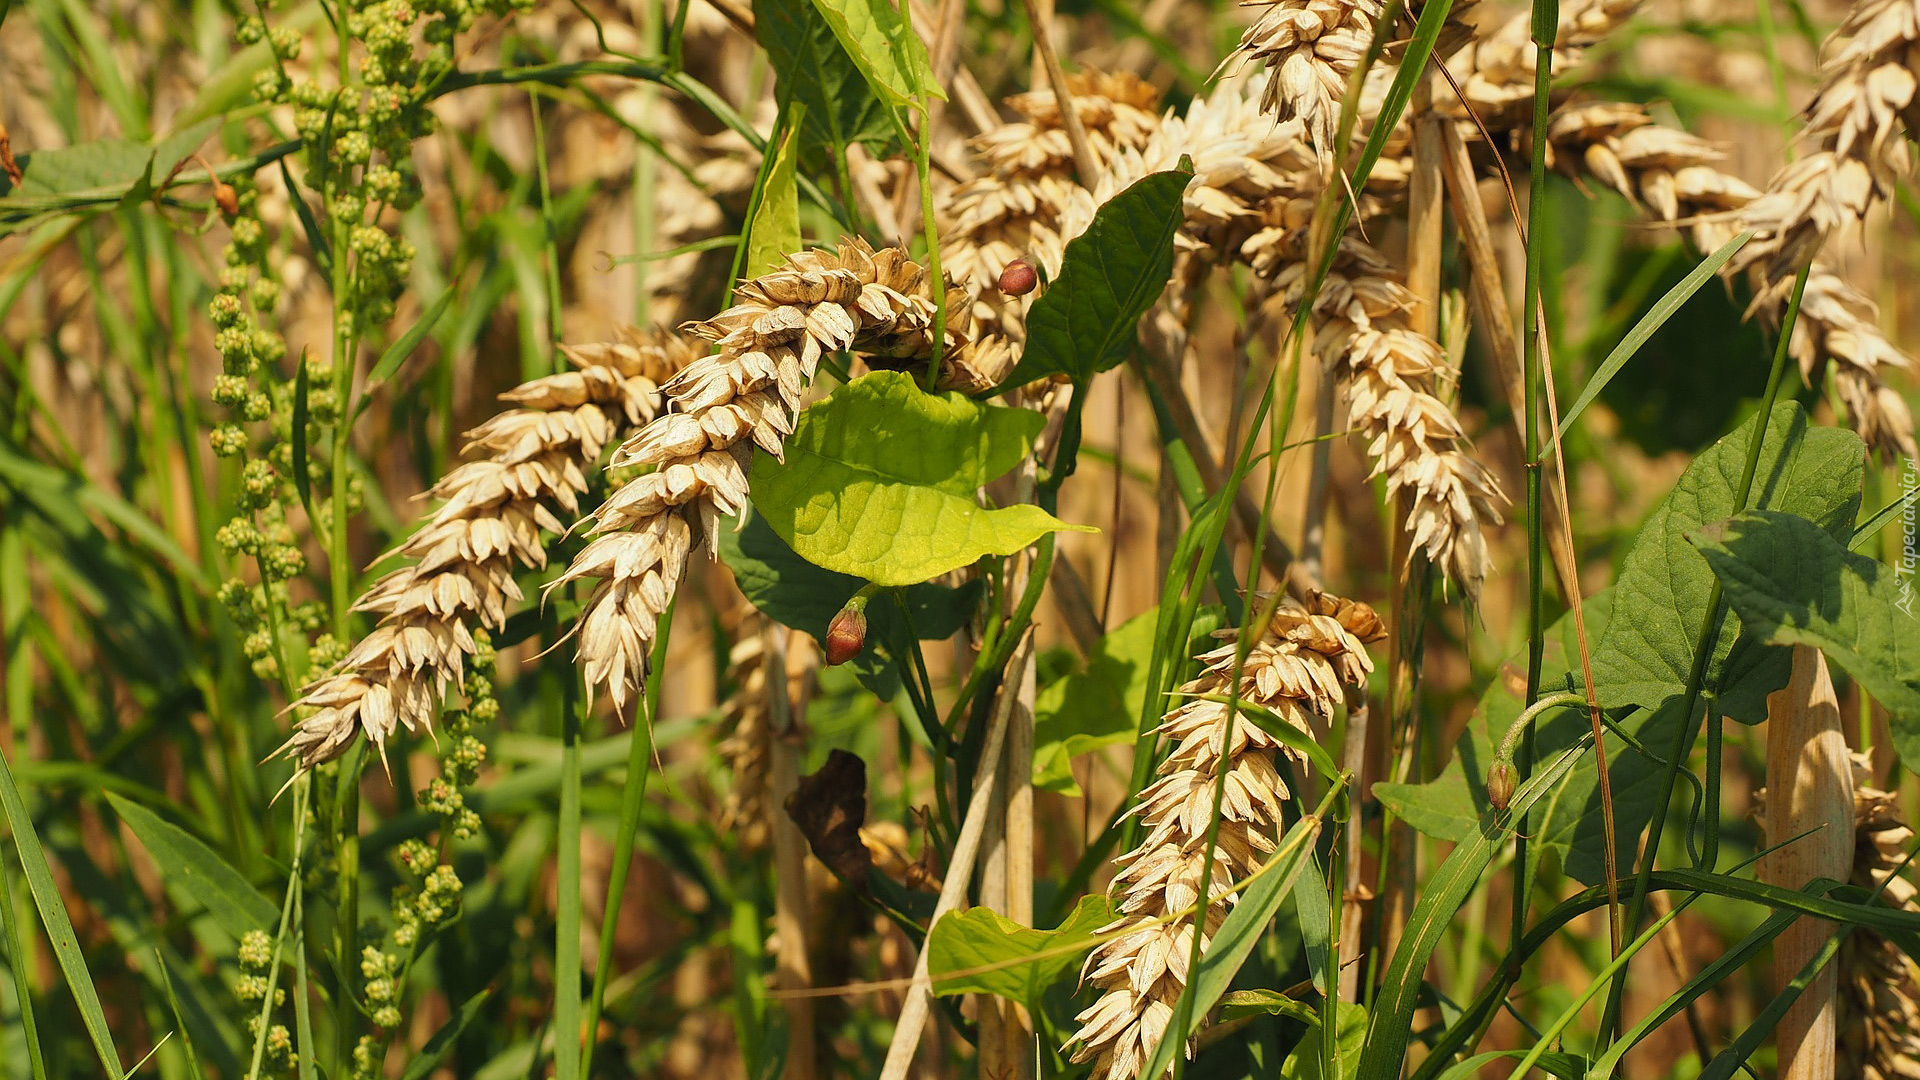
(881, 480)
(980, 951)
(1111, 274)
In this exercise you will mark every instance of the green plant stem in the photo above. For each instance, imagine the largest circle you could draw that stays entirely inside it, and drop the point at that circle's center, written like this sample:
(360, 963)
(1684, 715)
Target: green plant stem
(1546, 20)
(633, 795)
(566, 944)
(550, 243)
(1706, 642)
(346, 931)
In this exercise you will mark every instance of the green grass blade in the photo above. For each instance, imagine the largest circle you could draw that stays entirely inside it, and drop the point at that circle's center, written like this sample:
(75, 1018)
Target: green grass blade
(196, 870)
(17, 964)
(179, 1020)
(53, 914)
(1881, 518)
(1649, 324)
(403, 346)
(566, 943)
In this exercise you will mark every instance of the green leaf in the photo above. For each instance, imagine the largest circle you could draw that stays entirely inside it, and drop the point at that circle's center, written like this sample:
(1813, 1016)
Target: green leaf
(1568, 821)
(105, 170)
(196, 872)
(1268, 1003)
(402, 347)
(1088, 319)
(981, 951)
(1565, 1066)
(815, 71)
(880, 482)
(1308, 1057)
(1794, 584)
(1245, 925)
(888, 53)
(1645, 660)
(776, 221)
(1093, 708)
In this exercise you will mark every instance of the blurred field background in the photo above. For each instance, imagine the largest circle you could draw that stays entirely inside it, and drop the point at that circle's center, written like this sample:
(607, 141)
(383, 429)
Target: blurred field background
(124, 677)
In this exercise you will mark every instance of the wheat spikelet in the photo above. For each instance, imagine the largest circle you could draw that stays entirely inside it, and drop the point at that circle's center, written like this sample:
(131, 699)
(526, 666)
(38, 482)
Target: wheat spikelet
(723, 406)
(1311, 48)
(1495, 71)
(493, 513)
(1879, 1016)
(1300, 668)
(1675, 175)
(747, 749)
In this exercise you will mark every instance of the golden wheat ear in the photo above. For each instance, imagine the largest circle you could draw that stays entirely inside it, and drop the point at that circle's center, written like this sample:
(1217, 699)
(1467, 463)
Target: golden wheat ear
(1302, 668)
(493, 514)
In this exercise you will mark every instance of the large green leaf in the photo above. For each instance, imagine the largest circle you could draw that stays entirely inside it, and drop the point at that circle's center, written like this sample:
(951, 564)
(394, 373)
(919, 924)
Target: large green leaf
(1794, 584)
(195, 872)
(1566, 820)
(880, 482)
(815, 71)
(1665, 583)
(1087, 320)
(981, 951)
(98, 173)
(1093, 708)
(887, 51)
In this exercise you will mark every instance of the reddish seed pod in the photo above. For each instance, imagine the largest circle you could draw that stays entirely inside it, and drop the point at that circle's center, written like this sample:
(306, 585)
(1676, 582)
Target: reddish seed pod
(1500, 785)
(225, 198)
(846, 636)
(1019, 278)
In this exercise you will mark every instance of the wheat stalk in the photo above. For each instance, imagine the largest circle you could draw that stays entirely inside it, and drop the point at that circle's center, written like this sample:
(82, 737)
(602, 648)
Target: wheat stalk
(494, 513)
(1301, 669)
(723, 406)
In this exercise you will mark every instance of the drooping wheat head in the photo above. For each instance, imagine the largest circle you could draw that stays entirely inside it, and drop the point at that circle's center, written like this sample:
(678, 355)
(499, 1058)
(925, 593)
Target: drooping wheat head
(495, 513)
(1676, 176)
(1302, 668)
(721, 408)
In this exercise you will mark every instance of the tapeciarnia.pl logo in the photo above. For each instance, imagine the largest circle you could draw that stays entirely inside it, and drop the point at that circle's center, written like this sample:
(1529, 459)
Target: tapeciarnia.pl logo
(1909, 537)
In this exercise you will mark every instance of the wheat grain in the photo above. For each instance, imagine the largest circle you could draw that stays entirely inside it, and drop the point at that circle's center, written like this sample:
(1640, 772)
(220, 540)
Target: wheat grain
(723, 406)
(494, 512)
(1301, 668)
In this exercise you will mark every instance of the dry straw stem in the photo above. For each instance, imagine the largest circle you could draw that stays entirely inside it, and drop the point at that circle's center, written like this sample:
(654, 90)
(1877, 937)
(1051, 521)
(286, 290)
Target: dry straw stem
(1301, 668)
(1809, 811)
(495, 511)
(722, 407)
(1676, 176)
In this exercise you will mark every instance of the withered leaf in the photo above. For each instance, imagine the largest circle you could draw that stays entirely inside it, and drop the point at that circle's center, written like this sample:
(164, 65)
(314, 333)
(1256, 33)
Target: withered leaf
(829, 807)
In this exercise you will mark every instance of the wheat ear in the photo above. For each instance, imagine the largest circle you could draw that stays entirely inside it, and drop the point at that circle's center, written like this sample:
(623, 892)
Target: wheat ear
(494, 512)
(722, 407)
(1878, 1026)
(1301, 669)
